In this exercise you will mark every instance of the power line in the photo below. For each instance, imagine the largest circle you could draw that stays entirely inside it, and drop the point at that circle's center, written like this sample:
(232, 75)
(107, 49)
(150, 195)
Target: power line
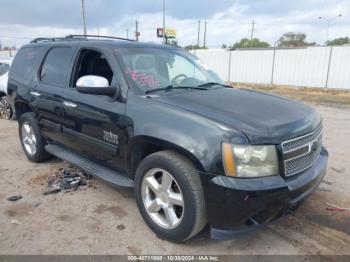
(329, 21)
(214, 21)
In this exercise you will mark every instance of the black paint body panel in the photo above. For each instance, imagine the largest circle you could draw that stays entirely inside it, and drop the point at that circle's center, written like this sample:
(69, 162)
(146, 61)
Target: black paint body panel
(193, 122)
(237, 206)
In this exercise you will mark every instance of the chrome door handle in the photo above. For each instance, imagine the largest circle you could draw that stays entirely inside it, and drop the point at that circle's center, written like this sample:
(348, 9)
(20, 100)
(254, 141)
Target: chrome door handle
(70, 104)
(33, 93)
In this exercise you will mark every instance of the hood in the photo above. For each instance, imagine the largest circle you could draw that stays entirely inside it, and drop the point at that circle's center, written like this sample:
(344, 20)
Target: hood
(264, 118)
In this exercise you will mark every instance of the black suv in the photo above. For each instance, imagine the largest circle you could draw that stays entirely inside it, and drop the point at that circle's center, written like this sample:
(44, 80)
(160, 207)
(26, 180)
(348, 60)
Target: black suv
(155, 118)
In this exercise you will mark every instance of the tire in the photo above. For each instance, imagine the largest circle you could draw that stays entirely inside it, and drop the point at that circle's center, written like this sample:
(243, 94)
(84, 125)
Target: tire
(39, 153)
(6, 111)
(191, 217)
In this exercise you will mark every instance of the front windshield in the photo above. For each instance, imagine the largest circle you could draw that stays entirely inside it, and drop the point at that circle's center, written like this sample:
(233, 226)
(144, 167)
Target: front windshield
(149, 68)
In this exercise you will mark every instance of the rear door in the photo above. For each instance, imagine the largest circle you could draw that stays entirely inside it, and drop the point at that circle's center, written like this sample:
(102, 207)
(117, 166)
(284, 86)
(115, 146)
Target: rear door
(52, 77)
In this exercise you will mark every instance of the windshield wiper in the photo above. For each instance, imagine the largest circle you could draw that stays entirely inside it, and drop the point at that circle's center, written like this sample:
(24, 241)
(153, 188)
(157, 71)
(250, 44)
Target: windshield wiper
(210, 84)
(172, 87)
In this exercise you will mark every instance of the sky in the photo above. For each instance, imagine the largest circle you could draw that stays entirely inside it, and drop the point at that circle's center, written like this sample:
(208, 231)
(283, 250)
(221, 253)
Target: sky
(227, 20)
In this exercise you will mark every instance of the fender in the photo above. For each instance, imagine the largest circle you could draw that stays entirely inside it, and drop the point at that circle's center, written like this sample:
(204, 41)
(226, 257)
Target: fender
(166, 125)
(19, 95)
(22, 104)
(139, 146)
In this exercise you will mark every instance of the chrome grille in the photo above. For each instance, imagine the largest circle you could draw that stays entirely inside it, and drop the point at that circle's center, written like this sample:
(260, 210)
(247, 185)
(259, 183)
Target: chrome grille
(302, 152)
(301, 141)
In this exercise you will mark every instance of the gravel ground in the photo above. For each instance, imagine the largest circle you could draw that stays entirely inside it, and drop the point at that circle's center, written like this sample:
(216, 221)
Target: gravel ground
(101, 219)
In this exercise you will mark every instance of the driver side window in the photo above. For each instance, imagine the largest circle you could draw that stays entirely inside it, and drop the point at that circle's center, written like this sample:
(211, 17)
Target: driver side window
(181, 66)
(91, 62)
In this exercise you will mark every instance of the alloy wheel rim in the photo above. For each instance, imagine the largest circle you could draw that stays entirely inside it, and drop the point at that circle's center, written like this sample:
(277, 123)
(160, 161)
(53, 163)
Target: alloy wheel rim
(5, 109)
(162, 198)
(28, 138)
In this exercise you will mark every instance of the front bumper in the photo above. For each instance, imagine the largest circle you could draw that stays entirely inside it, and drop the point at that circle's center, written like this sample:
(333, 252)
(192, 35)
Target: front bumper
(238, 206)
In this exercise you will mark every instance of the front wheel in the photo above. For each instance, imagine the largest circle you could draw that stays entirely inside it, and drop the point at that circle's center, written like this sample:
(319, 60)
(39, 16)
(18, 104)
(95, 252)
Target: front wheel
(169, 195)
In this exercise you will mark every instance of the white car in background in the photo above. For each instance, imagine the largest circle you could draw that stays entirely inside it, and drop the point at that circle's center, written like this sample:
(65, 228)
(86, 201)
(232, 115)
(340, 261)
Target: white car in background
(6, 110)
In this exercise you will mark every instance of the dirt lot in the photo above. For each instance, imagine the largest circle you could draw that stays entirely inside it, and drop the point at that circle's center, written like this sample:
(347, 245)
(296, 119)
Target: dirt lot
(105, 220)
(333, 97)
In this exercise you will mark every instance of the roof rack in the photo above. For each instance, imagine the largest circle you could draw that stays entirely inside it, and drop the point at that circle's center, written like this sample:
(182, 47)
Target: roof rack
(75, 37)
(97, 36)
(47, 39)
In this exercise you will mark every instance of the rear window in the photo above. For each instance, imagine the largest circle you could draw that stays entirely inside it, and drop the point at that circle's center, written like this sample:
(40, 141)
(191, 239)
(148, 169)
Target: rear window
(25, 62)
(55, 68)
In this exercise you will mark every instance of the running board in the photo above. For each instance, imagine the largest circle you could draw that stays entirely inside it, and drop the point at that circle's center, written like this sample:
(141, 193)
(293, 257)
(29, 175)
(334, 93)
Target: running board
(90, 167)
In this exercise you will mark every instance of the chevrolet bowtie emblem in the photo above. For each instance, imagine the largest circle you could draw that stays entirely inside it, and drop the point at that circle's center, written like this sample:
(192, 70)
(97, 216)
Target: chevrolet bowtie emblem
(313, 146)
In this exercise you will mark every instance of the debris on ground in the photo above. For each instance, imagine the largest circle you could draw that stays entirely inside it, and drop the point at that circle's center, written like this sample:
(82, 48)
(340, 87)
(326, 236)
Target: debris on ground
(14, 198)
(66, 180)
(55, 191)
(40, 179)
(336, 208)
(15, 222)
(37, 204)
(338, 170)
(120, 227)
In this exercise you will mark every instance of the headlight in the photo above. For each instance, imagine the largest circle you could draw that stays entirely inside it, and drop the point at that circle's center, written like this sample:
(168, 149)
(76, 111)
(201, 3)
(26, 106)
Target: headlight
(249, 160)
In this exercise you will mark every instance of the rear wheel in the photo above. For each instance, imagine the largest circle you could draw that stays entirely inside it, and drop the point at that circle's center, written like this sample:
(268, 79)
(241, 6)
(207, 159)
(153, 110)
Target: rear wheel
(33, 143)
(170, 197)
(5, 108)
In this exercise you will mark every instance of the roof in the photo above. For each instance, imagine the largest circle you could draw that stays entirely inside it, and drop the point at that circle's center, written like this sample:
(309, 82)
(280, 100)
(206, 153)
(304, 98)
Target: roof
(97, 41)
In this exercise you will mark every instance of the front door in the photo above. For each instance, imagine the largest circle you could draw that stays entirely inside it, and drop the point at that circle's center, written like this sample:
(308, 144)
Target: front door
(94, 125)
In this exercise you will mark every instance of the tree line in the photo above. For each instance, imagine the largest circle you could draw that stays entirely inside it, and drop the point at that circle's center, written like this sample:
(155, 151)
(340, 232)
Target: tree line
(290, 39)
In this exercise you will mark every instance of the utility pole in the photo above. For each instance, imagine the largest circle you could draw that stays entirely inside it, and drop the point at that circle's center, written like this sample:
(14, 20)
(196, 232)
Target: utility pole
(329, 65)
(252, 33)
(273, 63)
(199, 31)
(205, 34)
(137, 31)
(328, 29)
(83, 15)
(98, 30)
(164, 37)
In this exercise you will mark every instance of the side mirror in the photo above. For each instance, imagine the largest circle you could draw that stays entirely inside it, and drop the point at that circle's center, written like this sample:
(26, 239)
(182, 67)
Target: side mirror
(95, 85)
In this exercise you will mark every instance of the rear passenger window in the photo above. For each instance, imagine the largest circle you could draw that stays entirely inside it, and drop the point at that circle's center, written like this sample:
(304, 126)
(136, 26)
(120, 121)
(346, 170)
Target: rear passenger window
(26, 60)
(55, 68)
